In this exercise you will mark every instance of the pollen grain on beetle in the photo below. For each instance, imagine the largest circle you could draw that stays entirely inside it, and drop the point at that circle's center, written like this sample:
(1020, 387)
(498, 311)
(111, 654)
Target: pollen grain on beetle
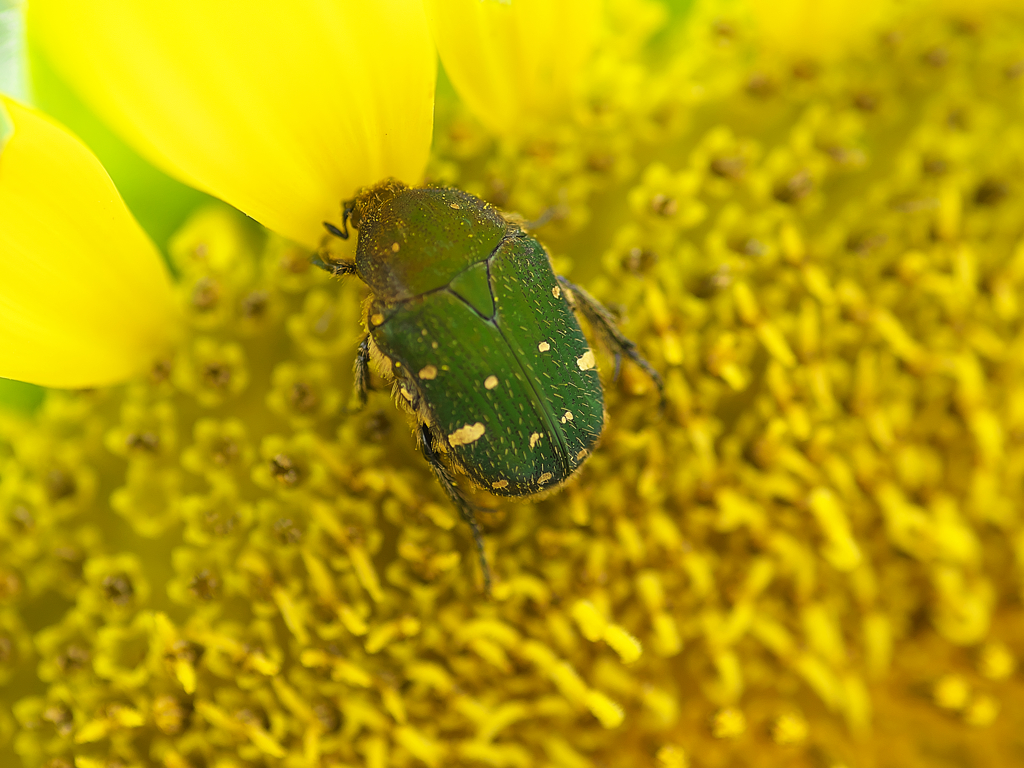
(812, 555)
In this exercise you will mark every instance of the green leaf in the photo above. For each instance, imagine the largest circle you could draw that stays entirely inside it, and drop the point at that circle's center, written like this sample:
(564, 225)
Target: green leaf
(18, 396)
(13, 77)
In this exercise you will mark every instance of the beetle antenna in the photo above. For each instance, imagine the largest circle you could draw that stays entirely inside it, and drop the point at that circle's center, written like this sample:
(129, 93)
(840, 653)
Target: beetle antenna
(343, 234)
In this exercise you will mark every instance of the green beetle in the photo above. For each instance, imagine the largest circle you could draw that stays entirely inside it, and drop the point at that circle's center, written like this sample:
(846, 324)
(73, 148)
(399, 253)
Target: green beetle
(478, 334)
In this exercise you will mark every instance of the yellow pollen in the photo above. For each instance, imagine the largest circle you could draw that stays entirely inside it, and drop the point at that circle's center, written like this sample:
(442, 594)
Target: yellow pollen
(728, 723)
(534, 439)
(466, 435)
(376, 319)
(395, 247)
(585, 362)
(428, 372)
(543, 346)
(499, 484)
(556, 292)
(789, 728)
(567, 417)
(544, 478)
(491, 382)
(671, 756)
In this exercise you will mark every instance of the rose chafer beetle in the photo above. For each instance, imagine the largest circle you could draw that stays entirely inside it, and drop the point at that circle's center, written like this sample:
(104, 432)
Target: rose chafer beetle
(479, 336)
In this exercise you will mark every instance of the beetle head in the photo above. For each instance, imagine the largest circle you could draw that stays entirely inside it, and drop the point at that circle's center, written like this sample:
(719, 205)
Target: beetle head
(368, 201)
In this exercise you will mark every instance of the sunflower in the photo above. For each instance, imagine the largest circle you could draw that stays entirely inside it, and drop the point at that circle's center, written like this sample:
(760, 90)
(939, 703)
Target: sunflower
(807, 217)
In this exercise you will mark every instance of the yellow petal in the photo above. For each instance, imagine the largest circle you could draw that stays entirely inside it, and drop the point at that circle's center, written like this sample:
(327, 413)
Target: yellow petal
(817, 29)
(85, 299)
(517, 63)
(282, 109)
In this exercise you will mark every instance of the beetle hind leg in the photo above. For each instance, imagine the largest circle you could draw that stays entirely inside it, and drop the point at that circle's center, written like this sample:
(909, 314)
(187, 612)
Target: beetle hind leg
(601, 319)
(444, 478)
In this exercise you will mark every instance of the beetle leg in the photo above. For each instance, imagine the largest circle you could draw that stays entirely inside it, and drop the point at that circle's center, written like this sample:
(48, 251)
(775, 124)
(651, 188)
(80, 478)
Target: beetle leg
(362, 370)
(546, 215)
(336, 268)
(601, 319)
(407, 387)
(444, 478)
(347, 209)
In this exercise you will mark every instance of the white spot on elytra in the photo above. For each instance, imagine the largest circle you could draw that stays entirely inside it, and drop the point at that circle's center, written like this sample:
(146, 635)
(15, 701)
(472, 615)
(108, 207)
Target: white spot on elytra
(544, 478)
(586, 361)
(567, 417)
(428, 372)
(466, 435)
(499, 484)
(490, 382)
(556, 292)
(534, 439)
(543, 346)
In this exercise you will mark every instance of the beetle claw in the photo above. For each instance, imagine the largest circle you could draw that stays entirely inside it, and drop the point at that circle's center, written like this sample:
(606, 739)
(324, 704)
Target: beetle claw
(618, 368)
(546, 216)
(662, 403)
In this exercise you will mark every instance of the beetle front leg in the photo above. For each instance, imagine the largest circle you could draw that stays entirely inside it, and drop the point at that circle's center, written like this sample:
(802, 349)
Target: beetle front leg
(336, 268)
(601, 319)
(444, 478)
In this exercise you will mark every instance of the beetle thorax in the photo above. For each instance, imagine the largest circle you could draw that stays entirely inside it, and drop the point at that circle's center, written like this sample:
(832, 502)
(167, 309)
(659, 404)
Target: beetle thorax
(415, 241)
